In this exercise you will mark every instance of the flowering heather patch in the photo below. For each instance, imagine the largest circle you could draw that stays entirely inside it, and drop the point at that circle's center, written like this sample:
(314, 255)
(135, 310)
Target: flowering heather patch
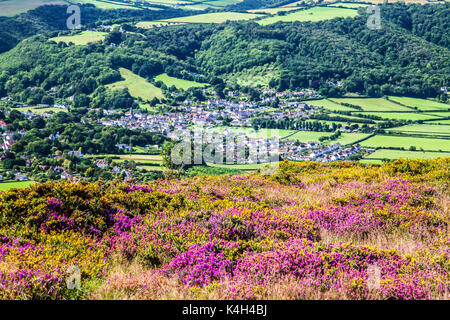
(311, 231)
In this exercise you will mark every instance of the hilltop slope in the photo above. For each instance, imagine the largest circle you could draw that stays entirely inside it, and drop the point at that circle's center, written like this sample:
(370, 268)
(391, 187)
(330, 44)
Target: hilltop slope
(311, 231)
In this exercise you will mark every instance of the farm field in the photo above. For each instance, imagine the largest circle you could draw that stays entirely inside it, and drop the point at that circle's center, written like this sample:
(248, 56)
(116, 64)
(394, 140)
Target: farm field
(12, 7)
(314, 14)
(423, 128)
(83, 38)
(15, 184)
(349, 5)
(330, 105)
(40, 110)
(217, 17)
(421, 104)
(138, 86)
(306, 136)
(403, 115)
(218, 3)
(389, 141)
(372, 104)
(396, 154)
(178, 83)
(348, 138)
(106, 4)
(438, 114)
(273, 10)
(446, 121)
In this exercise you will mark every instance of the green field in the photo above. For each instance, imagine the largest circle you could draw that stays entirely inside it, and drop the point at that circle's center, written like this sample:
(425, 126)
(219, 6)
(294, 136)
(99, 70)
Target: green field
(82, 38)
(371, 161)
(178, 83)
(12, 7)
(40, 110)
(330, 105)
(106, 4)
(217, 17)
(348, 138)
(423, 129)
(138, 86)
(314, 14)
(402, 115)
(447, 121)
(219, 3)
(372, 104)
(15, 184)
(389, 141)
(439, 114)
(273, 10)
(421, 104)
(306, 136)
(395, 154)
(349, 5)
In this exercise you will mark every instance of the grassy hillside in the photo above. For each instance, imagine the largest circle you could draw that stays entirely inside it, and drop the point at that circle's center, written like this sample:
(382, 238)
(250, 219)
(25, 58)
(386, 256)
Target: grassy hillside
(82, 38)
(310, 231)
(137, 86)
(313, 15)
(178, 83)
(13, 7)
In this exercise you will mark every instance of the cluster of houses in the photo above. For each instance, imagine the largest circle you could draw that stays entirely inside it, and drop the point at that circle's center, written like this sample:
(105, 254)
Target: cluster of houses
(114, 170)
(8, 137)
(313, 151)
(302, 94)
(213, 114)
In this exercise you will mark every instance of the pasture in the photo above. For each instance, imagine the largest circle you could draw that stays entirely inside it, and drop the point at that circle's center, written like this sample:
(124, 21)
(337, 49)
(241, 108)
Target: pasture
(314, 14)
(421, 104)
(178, 83)
(216, 17)
(389, 141)
(10, 8)
(348, 5)
(372, 104)
(396, 154)
(430, 129)
(273, 10)
(106, 4)
(402, 115)
(306, 136)
(330, 105)
(348, 138)
(82, 38)
(4, 186)
(137, 86)
(40, 110)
